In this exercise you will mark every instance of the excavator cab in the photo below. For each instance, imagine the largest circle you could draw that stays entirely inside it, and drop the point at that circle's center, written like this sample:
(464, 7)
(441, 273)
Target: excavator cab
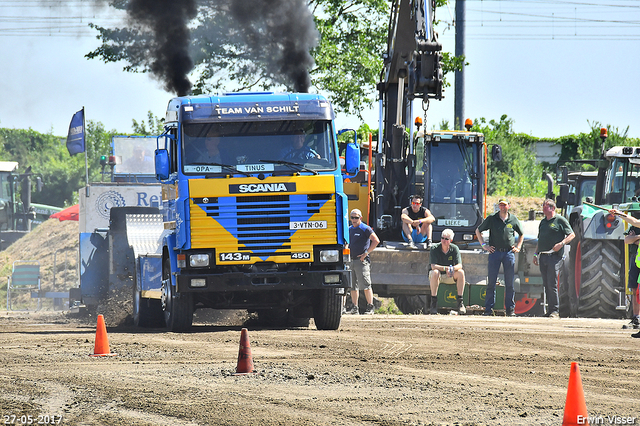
(450, 169)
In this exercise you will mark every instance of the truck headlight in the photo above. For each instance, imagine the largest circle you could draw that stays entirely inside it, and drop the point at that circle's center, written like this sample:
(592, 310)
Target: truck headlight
(329, 256)
(199, 260)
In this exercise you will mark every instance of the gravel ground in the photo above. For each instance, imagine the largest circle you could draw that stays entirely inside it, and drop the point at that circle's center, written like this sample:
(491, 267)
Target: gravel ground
(375, 370)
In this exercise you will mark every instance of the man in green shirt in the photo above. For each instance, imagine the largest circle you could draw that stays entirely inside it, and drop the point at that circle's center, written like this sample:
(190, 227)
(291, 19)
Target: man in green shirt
(446, 267)
(554, 233)
(502, 247)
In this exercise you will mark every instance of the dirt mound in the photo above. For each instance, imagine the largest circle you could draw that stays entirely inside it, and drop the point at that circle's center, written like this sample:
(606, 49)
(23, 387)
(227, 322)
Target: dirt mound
(54, 245)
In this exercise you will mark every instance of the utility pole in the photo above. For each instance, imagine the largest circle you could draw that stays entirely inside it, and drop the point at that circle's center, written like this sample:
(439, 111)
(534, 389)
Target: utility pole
(458, 102)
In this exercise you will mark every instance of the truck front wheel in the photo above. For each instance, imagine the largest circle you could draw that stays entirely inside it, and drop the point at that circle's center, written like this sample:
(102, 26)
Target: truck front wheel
(177, 308)
(327, 311)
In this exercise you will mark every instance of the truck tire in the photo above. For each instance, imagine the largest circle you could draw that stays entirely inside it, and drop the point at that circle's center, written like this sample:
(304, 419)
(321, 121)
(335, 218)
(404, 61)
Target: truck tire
(146, 312)
(596, 273)
(416, 304)
(177, 308)
(327, 311)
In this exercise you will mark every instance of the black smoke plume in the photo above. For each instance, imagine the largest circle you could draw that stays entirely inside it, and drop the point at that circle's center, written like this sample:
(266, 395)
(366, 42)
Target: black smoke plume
(168, 21)
(282, 33)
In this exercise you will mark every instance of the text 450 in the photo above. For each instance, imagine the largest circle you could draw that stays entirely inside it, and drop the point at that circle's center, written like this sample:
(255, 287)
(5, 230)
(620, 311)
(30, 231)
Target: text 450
(306, 255)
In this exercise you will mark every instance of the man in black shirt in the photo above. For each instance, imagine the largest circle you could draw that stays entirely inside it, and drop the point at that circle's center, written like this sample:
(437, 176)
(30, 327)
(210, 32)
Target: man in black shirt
(416, 222)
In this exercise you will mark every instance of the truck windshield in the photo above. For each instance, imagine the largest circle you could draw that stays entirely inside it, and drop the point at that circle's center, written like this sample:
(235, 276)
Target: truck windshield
(258, 145)
(453, 188)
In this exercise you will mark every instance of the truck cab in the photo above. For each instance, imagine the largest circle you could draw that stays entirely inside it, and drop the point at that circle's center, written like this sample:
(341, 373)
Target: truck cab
(253, 207)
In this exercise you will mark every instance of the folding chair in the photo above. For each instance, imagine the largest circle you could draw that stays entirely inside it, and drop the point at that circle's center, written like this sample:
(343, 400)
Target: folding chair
(25, 277)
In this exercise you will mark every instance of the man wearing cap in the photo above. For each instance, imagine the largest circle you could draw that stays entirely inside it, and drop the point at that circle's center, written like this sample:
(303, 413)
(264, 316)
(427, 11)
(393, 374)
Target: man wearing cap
(502, 247)
(554, 233)
(362, 241)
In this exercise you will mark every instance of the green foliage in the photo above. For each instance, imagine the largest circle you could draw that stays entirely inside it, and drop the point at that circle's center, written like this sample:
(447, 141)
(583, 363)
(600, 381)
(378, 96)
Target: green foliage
(47, 155)
(388, 307)
(155, 124)
(517, 174)
(348, 58)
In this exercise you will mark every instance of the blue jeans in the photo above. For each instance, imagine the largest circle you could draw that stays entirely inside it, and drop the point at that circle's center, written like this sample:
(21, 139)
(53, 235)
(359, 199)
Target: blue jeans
(508, 261)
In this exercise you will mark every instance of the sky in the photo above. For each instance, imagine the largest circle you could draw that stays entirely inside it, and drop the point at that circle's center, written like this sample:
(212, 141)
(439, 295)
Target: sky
(553, 67)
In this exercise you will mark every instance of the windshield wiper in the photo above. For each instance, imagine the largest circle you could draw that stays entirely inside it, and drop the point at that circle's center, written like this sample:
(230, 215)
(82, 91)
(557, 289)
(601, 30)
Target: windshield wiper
(226, 167)
(293, 166)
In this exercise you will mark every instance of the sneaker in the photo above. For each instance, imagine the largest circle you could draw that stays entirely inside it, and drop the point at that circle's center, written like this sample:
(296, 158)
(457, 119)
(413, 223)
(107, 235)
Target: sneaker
(632, 324)
(461, 309)
(488, 313)
(369, 310)
(554, 314)
(511, 314)
(637, 335)
(353, 310)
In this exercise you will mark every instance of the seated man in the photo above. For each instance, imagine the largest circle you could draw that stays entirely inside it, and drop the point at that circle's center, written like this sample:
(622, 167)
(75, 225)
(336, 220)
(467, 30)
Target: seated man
(446, 267)
(416, 222)
(299, 150)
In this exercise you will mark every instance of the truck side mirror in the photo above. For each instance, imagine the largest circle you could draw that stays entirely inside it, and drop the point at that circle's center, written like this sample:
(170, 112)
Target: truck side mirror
(496, 153)
(162, 164)
(352, 159)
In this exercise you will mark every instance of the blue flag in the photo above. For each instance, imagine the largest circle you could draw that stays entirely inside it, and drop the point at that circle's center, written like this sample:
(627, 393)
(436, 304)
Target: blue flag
(75, 138)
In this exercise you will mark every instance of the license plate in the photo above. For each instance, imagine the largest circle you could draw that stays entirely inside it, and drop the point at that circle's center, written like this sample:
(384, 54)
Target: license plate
(453, 222)
(311, 224)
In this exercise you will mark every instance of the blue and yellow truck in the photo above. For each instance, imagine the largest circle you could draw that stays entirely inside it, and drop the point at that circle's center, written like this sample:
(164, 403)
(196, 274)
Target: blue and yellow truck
(253, 213)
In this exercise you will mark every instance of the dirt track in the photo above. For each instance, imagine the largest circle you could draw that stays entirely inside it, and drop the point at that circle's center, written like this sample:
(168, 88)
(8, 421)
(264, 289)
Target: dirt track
(382, 370)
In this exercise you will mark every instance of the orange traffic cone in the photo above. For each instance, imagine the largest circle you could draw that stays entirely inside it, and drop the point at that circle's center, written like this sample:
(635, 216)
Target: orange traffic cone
(102, 341)
(575, 408)
(245, 360)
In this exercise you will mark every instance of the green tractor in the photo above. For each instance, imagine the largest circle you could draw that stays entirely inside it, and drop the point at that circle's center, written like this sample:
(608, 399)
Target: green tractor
(595, 285)
(18, 215)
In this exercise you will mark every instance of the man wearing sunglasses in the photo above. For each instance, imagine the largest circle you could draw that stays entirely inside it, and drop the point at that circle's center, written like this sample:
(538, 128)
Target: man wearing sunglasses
(446, 267)
(416, 222)
(362, 241)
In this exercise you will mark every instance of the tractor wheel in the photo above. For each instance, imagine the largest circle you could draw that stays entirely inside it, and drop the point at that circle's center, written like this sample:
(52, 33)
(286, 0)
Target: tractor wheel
(527, 306)
(596, 275)
(564, 280)
(416, 304)
(177, 308)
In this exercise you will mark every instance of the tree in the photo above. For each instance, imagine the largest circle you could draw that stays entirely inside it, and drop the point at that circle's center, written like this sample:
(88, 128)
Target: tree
(47, 155)
(246, 45)
(155, 126)
(518, 174)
